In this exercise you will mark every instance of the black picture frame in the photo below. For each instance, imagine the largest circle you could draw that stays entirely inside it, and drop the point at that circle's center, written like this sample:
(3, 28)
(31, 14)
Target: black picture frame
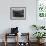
(18, 13)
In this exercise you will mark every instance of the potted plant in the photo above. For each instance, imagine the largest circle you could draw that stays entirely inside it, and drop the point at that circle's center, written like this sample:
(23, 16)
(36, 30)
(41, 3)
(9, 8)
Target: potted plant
(39, 35)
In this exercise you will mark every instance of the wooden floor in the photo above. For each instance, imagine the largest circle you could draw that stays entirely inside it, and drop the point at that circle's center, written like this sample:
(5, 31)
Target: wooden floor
(13, 44)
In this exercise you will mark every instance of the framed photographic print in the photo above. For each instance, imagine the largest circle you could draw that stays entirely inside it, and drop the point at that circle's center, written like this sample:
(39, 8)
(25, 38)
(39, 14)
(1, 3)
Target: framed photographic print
(18, 13)
(41, 12)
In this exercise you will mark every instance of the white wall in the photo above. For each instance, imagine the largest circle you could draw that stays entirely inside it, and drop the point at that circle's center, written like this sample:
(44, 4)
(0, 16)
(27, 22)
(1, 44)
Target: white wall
(24, 25)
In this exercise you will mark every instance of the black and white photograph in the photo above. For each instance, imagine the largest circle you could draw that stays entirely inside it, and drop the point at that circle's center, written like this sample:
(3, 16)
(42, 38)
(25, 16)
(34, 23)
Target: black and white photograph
(17, 13)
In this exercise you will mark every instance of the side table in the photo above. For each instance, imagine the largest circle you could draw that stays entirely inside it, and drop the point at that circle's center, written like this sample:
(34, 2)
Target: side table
(8, 34)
